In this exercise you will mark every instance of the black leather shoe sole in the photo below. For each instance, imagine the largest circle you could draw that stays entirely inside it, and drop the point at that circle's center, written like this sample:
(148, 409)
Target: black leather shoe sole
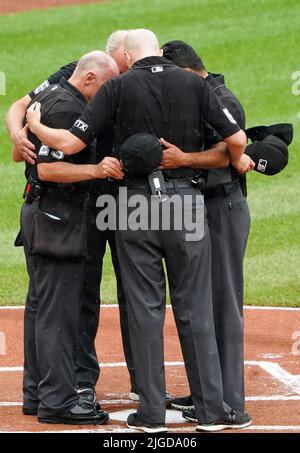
(61, 420)
(27, 411)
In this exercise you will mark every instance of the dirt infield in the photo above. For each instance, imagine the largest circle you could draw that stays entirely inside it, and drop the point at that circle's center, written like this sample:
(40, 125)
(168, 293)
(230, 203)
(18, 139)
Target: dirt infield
(15, 6)
(272, 363)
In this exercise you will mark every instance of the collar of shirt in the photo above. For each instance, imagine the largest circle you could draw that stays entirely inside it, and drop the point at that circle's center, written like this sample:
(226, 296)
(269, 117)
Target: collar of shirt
(151, 61)
(72, 90)
(215, 80)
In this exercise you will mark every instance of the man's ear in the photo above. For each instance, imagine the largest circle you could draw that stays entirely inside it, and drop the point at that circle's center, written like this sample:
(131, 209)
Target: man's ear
(89, 78)
(128, 58)
(161, 52)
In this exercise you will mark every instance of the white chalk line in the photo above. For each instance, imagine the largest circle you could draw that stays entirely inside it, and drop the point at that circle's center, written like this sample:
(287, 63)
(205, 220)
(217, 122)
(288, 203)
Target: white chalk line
(246, 307)
(102, 365)
(126, 402)
(110, 365)
(123, 364)
(290, 381)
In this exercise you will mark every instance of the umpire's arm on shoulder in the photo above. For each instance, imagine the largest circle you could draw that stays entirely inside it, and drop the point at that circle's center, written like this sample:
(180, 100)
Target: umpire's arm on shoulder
(59, 139)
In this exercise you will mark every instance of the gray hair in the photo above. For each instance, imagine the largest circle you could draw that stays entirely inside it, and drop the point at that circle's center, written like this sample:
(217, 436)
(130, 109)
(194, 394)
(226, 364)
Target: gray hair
(115, 40)
(98, 62)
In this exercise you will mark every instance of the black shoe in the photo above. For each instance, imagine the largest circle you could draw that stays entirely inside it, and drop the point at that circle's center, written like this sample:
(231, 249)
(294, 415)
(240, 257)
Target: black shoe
(86, 392)
(134, 422)
(27, 411)
(83, 413)
(233, 420)
(169, 399)
(190, 415)
(183, 403)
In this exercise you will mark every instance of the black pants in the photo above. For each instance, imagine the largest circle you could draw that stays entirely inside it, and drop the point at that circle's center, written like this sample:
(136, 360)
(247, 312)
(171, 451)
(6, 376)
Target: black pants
(87, 363)
(188, 265)
(229, 223)
(50, 327)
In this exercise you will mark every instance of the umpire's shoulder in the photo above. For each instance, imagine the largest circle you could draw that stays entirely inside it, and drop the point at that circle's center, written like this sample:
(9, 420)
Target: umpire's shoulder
(190, 79)
(49, 92)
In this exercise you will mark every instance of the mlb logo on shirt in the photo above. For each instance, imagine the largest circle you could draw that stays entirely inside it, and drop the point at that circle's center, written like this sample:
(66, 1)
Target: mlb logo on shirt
(81, 125)
(155, 69)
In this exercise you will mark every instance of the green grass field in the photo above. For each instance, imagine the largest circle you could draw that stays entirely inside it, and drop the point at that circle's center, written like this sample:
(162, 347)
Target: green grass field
(255, 43)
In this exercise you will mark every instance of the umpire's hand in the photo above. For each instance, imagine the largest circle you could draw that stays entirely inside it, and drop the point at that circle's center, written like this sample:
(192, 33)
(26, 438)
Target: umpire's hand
(173, 157)
(244, 164)
(23, 147)
(109, 167)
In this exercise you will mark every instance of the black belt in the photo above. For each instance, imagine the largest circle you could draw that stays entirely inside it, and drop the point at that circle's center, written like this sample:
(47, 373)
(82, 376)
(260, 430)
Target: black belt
(175, 183)
(222, 190)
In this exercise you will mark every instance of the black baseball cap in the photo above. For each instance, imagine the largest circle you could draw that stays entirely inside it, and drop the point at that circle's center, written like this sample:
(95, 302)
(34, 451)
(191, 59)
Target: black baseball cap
(270, 155)
(284, 131)
(140, 154)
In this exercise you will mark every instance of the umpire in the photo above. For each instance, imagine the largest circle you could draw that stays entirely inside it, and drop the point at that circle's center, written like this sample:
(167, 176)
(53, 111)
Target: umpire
(54, 231)
(229, 222)
(157, 97)
(87, 363)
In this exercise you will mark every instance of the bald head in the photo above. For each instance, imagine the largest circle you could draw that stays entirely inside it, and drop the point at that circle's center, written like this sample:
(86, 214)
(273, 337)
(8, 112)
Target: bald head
(97, 62)
(92, 71)
(140, 44)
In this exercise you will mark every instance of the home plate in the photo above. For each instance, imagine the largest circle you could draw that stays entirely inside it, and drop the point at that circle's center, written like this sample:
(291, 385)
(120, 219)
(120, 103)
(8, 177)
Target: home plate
(171, 416)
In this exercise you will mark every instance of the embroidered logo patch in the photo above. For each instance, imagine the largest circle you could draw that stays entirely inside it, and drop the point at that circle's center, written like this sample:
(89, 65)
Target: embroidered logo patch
(229, 116)
(81, 125)
(59, 155)
(42, 87)
(44, 151)
(155, 69)
(262, 165)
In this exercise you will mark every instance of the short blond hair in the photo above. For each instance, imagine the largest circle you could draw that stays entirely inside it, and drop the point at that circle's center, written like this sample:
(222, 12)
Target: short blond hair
(115, 40)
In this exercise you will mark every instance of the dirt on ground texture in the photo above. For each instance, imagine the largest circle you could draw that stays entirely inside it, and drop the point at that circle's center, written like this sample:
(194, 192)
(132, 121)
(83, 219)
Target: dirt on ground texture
(15, 6)
(272, 361)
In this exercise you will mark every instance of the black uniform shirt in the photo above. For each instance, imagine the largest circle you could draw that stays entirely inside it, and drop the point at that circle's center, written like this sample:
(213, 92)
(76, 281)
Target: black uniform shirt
(230, 101)
(61, 105)
(64, 72)
(156, 96)
(103, 146)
